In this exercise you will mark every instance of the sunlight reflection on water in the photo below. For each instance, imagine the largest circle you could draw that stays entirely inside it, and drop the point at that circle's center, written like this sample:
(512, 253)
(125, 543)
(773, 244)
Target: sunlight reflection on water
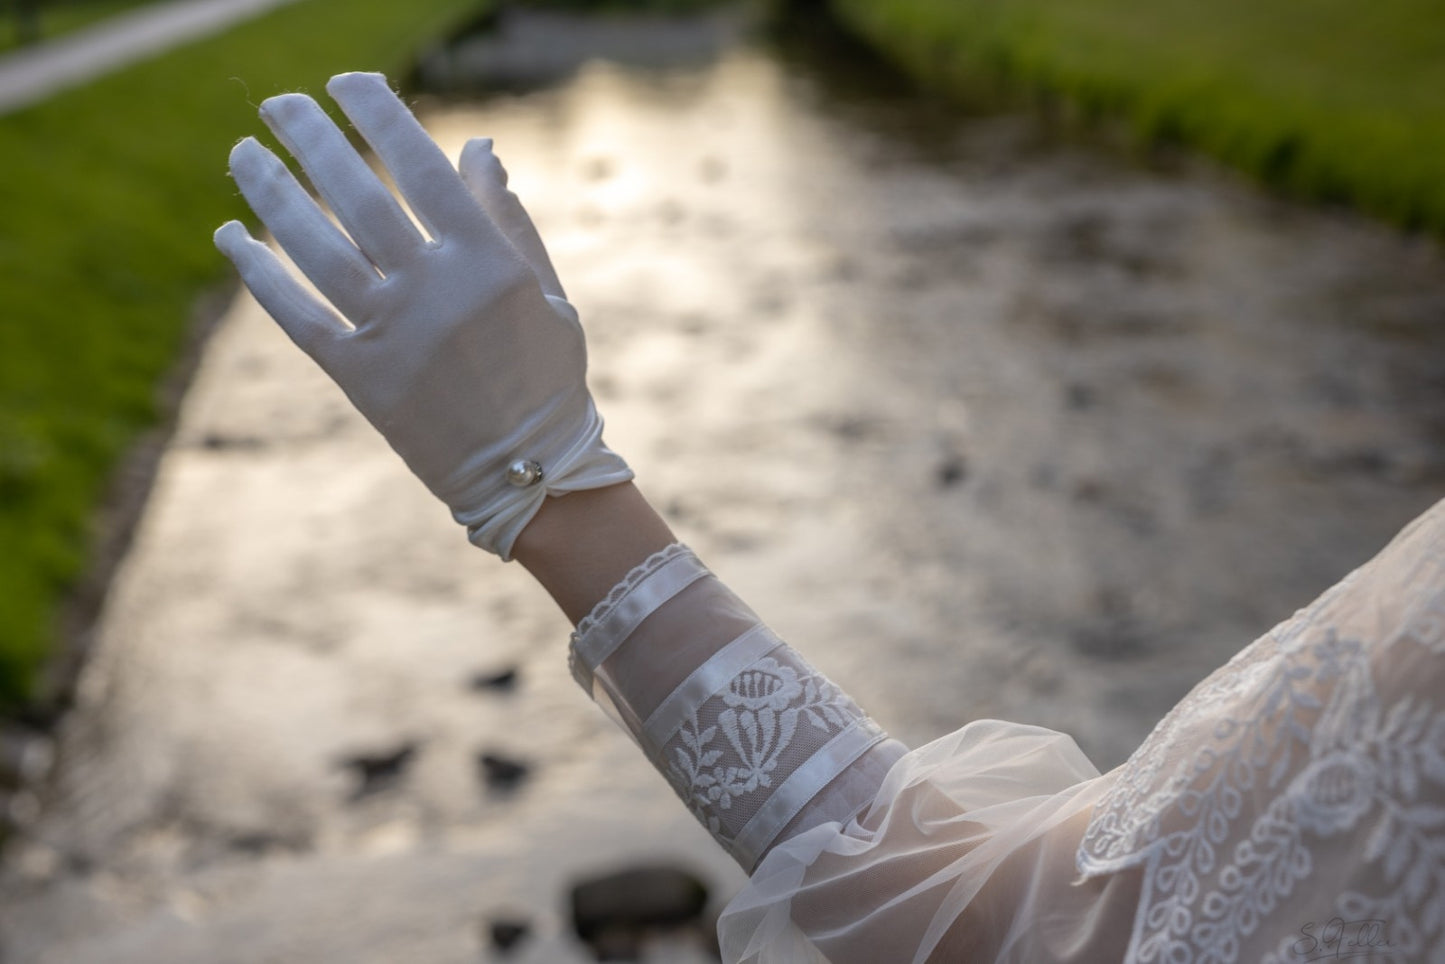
(1033, 426)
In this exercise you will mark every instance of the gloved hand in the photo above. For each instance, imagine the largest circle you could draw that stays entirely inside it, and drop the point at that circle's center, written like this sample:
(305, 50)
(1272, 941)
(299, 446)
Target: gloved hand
(462, 350)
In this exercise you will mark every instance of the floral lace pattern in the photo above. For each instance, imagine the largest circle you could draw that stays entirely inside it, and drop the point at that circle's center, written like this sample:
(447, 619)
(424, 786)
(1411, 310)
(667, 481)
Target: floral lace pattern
(737, 746)
(1317, 753)
(745, 731)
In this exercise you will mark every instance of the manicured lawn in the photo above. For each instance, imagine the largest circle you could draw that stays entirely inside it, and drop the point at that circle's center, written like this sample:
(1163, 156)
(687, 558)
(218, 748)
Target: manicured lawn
(59, 17)
(108, 196)
(1331, 99)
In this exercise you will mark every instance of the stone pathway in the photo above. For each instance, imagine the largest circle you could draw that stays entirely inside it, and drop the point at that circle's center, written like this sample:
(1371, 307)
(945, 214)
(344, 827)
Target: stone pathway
(31, 74)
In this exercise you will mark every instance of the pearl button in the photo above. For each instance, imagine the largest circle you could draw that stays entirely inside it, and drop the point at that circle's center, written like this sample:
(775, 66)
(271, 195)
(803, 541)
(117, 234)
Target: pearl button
(524, 472)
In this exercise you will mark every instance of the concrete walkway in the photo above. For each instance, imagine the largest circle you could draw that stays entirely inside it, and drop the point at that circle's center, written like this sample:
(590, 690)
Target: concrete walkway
(35, 73)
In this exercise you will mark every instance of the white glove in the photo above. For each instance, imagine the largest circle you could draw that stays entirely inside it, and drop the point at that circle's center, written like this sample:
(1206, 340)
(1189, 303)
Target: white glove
(461, 350)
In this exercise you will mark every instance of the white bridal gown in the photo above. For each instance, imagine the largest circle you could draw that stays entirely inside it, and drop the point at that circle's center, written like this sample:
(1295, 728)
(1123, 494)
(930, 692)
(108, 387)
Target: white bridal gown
(1291, 808)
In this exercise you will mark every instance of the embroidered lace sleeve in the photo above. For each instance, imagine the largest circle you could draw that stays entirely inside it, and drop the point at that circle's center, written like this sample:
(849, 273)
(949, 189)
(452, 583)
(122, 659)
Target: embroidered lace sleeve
(757, 743)
(859, 851)
(1291, 808)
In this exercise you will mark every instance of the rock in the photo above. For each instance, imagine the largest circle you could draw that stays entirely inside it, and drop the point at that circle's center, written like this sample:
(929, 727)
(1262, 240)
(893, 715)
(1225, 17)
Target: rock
(612, 944)
(501, 773)
(261, 843)
(614, 913)
(507, 933)
(376, 772)
(951, 471)
(501, 680)
(217, 441)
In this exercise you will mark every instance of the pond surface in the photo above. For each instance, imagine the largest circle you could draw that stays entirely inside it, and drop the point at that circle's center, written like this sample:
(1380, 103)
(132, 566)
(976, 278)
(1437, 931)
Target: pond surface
(987, 423)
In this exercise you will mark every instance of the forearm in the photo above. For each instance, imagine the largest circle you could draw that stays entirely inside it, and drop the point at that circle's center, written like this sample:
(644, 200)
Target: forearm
(580, 545)
(756, 742)
(762, 748)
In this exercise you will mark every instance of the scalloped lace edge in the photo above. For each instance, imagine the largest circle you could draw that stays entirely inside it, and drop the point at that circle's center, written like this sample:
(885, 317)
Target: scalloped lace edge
(631, 581)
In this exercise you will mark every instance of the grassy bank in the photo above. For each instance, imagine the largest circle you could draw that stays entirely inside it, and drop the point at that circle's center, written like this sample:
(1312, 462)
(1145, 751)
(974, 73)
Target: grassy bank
(1333, 100)
(110, 194)
(58, 17)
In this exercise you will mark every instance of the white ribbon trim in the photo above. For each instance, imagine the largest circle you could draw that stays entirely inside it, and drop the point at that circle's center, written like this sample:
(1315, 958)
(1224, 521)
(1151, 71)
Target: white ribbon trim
(706, 681)
(802, 785)
(611, 627)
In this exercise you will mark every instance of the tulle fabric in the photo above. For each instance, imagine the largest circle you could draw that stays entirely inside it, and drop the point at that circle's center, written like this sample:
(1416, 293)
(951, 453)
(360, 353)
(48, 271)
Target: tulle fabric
(1291, 808)
(757, 743)
(966, 853)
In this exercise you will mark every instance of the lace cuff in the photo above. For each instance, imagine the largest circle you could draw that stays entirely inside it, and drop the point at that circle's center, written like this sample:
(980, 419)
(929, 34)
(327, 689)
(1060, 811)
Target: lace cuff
(757, 743)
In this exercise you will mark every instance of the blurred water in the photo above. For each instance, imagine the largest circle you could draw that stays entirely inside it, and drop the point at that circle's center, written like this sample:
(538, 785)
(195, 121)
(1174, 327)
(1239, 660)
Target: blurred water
(985, 422)
(1053, 434)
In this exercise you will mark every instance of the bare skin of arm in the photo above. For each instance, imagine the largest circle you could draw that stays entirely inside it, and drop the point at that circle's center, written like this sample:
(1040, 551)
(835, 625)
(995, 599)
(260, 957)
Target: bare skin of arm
(582, 544)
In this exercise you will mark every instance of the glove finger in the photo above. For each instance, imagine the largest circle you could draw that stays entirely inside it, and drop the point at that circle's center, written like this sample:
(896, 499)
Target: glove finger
(322, 252)
(422, 172)
(363, 204)
(485, 177)
(311, 325)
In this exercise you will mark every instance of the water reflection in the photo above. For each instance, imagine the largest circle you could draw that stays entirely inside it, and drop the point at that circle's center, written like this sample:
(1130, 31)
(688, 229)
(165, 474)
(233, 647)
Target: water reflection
(1047, 435)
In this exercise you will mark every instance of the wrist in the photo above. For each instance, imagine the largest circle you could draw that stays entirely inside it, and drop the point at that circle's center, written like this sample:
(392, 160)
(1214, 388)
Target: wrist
(580, 545)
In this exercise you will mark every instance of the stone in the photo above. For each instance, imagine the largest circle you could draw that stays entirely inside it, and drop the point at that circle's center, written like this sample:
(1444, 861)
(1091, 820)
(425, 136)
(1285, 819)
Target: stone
(504, 680)
(506, 934)
(380, 771)
(500, 772)
(613, 913)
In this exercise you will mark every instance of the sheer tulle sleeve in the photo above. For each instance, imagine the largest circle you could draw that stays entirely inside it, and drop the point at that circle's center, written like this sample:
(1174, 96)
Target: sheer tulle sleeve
(757, 743)
(1291, 808)
(860, 851)
(966, 853)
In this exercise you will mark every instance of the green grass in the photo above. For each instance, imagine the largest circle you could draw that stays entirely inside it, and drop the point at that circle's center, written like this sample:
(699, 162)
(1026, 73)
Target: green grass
(60, 17)
(627, 6)
(1333, 99)
(109, 195)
